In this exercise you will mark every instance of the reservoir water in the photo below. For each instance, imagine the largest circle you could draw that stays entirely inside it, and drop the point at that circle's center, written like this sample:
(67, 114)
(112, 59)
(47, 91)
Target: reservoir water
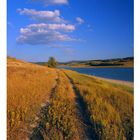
(125, 74)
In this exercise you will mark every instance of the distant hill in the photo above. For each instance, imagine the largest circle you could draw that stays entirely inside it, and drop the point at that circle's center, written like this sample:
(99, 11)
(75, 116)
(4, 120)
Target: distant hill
(115, 62)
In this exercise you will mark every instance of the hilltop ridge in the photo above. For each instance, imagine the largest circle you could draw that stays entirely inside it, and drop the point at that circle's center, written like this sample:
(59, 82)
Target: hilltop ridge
(115, 62)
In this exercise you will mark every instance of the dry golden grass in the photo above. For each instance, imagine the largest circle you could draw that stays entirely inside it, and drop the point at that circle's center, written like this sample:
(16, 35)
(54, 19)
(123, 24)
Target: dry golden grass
(28, 87)
(60, 118)
(64, 88)
(110, 107)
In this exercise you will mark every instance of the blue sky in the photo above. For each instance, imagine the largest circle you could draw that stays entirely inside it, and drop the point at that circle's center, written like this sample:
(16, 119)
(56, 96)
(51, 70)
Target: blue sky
(70, 29)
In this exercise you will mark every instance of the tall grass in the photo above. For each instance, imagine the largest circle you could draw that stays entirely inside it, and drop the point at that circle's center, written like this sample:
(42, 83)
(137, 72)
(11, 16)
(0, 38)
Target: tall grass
(48, 95)
(110, 108)
(28, 87)
(60, 117)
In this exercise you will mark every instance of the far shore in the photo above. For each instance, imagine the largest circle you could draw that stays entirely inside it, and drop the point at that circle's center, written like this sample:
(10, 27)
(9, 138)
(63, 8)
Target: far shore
(96, 66)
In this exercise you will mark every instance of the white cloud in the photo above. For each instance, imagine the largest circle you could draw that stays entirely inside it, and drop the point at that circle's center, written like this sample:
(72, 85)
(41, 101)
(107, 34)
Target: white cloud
(42, 16)
(79, 20)
(52, 2)
(35, 34)
(60, 27)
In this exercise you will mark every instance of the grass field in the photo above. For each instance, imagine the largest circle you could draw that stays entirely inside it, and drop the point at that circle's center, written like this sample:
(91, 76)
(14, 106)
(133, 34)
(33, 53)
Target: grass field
(53, 104)
(110, 108)
(29, 86)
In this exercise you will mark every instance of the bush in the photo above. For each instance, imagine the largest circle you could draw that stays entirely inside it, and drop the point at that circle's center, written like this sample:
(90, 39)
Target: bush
(52, 62)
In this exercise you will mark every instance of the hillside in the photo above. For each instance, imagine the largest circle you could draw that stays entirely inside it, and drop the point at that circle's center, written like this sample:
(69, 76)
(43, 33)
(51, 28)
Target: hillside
(51, 104)
(117, 62)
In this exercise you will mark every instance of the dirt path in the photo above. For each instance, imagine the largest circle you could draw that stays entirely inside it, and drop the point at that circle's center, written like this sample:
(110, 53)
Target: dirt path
(38, 130)
(83, 125)
(83, 115)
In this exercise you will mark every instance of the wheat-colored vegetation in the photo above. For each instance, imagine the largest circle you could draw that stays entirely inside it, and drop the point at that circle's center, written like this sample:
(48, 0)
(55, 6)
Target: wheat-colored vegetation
(110, 107)
(59, 120)
(42, 104)
(29, 86)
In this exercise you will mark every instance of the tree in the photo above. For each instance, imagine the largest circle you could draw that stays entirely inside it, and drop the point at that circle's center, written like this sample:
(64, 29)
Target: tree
(52, 62)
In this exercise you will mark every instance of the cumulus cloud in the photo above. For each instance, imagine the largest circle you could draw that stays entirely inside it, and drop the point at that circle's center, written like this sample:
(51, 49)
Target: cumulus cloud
(52, 2)
(35, 34)
(79, 20)
(60, 27)
(43, 16)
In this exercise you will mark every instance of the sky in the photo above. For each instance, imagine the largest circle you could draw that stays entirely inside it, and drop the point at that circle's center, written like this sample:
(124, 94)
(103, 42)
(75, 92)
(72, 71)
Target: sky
(70, 29)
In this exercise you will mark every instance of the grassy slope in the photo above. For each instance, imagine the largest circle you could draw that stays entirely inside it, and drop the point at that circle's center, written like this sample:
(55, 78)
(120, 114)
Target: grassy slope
(29, 86)
(59, 119)
(29, 89)
(109, 107)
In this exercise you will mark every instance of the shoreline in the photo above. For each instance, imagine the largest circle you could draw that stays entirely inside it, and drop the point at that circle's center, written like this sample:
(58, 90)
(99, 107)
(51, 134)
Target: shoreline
(119, 82)
(114, 81)
(97, 66)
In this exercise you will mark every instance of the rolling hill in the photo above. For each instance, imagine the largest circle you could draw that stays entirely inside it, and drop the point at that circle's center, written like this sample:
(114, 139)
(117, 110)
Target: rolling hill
(49, 104)
(116, 62)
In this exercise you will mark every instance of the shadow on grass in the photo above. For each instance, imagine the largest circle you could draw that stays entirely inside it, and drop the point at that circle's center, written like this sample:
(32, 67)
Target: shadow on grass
(91, 134)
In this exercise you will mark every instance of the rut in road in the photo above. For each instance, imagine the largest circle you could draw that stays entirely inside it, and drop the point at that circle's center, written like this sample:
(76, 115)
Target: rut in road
(83, 124)
(39, 131)
(84, 116)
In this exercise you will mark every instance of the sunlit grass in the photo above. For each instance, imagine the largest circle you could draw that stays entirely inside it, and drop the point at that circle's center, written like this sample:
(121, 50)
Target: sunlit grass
(60, 120)
(28, 87)
(110, 107)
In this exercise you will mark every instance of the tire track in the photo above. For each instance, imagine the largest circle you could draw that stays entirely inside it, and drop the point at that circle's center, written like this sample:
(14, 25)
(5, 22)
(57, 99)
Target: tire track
(83, 115)
(38, 132)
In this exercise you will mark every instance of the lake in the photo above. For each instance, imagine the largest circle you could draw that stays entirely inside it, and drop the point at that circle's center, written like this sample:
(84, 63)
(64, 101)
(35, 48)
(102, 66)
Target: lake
(124, 74)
